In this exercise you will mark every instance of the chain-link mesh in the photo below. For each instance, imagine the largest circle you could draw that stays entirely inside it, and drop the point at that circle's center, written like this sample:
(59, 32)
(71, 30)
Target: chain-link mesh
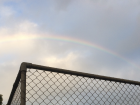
(52, 88)
(17, 96)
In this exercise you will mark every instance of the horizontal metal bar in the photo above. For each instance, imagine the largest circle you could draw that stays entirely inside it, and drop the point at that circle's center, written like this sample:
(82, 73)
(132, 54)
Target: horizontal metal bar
(39, 67)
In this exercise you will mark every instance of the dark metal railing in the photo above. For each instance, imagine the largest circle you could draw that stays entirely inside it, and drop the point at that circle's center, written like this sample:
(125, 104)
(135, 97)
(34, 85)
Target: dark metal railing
(41, 85)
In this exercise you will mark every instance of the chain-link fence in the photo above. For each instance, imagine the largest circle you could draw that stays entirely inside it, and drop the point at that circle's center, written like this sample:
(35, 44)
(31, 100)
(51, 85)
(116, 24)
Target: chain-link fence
(51, 86)
(17, 96)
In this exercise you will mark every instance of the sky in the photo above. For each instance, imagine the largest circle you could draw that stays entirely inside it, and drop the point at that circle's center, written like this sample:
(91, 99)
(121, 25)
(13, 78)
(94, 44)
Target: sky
(93, 36)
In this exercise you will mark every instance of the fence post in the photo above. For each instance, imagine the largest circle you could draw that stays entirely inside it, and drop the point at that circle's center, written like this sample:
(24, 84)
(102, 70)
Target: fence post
(23, 83)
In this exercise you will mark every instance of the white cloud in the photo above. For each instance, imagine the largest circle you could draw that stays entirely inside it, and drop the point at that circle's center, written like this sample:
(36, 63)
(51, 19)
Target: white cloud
(6, 11)
(15, 47)
(27, 26)
(65, 62)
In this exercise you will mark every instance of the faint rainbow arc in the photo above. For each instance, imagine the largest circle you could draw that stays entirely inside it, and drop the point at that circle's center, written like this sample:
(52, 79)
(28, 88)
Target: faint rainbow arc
(73, 40)
(87, 43)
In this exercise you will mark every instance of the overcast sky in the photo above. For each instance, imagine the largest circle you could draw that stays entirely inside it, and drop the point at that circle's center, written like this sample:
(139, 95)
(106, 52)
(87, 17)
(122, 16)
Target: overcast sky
(94, 36)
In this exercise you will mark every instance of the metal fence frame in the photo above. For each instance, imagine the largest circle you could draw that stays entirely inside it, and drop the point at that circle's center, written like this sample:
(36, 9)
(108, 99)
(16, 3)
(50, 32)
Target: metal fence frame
(22, 76)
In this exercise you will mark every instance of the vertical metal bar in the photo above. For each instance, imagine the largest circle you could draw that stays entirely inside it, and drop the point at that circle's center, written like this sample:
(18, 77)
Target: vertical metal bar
(23, 84)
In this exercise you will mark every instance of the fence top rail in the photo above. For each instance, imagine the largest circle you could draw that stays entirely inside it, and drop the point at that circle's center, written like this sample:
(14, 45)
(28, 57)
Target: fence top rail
(52, 69)
(26, 65)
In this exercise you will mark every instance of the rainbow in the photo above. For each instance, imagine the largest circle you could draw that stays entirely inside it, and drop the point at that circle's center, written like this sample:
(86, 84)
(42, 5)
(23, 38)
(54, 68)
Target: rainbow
(67, 39)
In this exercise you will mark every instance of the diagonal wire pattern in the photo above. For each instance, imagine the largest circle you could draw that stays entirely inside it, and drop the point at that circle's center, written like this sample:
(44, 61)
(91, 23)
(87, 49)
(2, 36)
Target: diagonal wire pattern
(54, 88)
(17, 96)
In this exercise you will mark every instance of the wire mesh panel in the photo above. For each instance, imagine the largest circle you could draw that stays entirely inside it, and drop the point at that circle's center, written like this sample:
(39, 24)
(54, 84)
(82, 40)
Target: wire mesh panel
(17, 96)
(54, 88)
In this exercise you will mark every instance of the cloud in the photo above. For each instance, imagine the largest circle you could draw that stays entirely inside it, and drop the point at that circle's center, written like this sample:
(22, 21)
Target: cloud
(64, 61)
(100, 21)
(110, 24)
(130, 45)
(62, 4)
(14, 50)
(6, 11)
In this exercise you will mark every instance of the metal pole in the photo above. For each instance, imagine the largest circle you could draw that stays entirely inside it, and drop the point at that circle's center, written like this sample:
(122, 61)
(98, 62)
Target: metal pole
(23, 84)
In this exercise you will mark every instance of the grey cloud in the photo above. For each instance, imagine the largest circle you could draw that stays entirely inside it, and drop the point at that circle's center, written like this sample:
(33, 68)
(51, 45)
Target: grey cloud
(130, 45)
(62, 4)
(92, 22)
(108, 24)
(97, 21)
